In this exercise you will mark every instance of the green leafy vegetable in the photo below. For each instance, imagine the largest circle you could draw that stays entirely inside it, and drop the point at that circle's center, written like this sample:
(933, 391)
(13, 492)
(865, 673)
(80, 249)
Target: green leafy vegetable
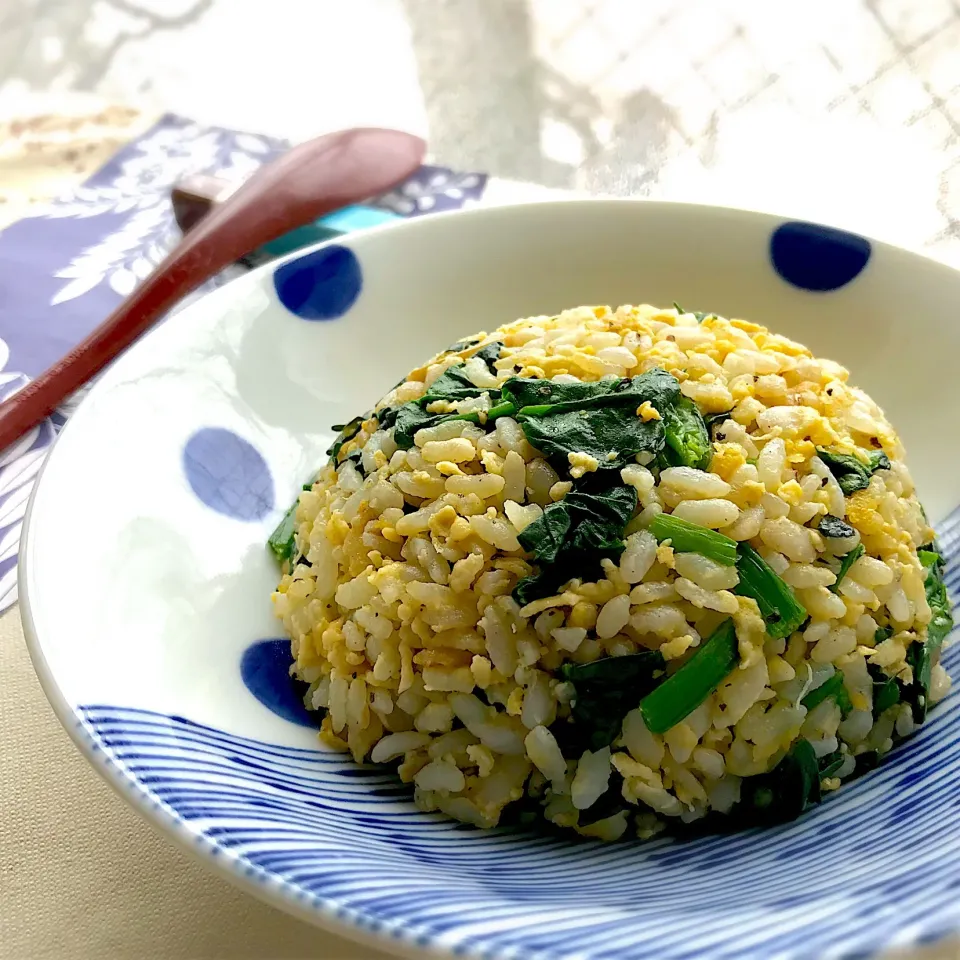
(785, 792)
(687, 537)
(833, 528)
(778, 796)
(355, 457)
(282, 542)
(548, 397)
(688, 440)
(881, 634)
(698, 314)
(572, 536)
(680, 694)
(452, 385)
(410, 418)
(606, 690)
(598, 419)
(711, 420)
(489, 354)
(461, 345)
(831, 763)
(345, 432)
(780, 609)
(545, 537)
(886, 689)
(846, 563)
(601, 517)
(503, 409)
(851, 473)
(832, 687)
(885, 696)
(922, 656)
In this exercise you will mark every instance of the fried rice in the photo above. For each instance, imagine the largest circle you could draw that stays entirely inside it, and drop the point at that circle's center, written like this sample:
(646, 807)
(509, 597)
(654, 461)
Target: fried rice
(617, 571)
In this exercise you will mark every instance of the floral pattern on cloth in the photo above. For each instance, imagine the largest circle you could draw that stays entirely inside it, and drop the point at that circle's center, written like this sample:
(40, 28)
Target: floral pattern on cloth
(65, 268)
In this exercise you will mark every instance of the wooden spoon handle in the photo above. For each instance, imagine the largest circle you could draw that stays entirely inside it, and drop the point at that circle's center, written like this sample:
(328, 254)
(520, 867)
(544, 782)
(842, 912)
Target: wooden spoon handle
(305, 183)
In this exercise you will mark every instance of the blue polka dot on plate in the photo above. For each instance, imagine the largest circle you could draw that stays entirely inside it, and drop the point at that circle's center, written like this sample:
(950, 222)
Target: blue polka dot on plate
(814, 257)
(228, 474)
(321, 285)
(265, 671)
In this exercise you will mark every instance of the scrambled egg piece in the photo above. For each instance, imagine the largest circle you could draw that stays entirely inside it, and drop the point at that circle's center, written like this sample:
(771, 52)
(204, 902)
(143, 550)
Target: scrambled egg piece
(647, 411)
(581, 463)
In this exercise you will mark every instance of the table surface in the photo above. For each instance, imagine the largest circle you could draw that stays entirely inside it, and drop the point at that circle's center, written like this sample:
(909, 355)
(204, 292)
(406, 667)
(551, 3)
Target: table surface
(847, 112)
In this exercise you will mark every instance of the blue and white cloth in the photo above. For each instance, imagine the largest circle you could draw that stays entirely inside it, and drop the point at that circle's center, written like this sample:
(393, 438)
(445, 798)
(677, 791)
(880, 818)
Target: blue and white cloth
(63, 270)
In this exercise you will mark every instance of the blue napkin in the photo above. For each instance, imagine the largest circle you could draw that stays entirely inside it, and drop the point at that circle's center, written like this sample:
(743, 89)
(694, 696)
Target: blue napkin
(63, 270)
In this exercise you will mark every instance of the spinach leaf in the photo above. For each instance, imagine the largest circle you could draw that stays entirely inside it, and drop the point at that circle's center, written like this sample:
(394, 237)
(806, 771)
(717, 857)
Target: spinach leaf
(831, 687)
(572, 536)
(851, 473)
(346, 431)
(698, 314)
(680, 694)
(601, 517)
(548, 397)
(598, 419)
(846, 563)
(711, 421)
(489, 354)
(831, 763)
(778, 796)
(833, 528)
(606, 690)
(463, 344)
(547, 581)
(780, 609)
(784, 793)
(410, 418)
(885, 696)
(282, 541)
(597, 433)
(387, 417)
(882, 633)
(687, 437)
(922, 656)
(452, 385)
(545, 537)
(356, 458)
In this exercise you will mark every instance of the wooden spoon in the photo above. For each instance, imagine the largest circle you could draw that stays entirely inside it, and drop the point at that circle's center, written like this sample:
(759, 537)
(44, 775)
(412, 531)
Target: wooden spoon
(307, 182)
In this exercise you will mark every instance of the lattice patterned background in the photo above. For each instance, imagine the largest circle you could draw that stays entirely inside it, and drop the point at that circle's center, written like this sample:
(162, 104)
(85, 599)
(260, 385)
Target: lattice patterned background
(846, 110)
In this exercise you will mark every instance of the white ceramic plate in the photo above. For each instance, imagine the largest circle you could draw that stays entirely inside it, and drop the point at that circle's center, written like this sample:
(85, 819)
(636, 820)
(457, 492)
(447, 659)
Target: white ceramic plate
(145, 587)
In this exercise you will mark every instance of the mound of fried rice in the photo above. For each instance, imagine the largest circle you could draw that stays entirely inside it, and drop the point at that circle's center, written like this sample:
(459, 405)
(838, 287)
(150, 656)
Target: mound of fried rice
(399, 595)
